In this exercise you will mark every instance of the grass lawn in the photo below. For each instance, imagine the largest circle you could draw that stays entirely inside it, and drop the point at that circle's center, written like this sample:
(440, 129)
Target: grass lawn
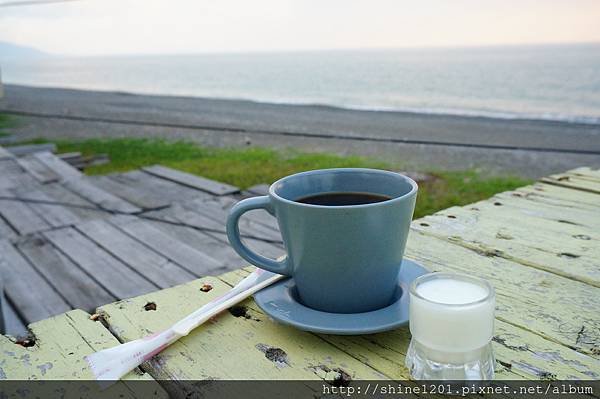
(6, 121)
(250, 166)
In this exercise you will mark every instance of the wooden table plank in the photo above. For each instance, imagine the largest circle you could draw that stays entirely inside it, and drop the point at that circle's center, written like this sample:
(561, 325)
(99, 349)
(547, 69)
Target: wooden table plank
(384, 352)
(34, 298)
(113, 275)
(559, 196)
(56, 215)
(535, 196)
(191, 259)
(574, 182)
(20, 216)
(61, 343)
(79, 289)
(228, 347)
(40, 171)
(521, 354)
(585, 172)
(564, 249)
(101, 198)
(57, 165)
(139, 257)
(201, 183)
(520, 206)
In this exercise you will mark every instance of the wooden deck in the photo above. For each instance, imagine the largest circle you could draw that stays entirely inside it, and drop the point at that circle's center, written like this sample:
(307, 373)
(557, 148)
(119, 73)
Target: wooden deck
(538, 245)
(69, 241)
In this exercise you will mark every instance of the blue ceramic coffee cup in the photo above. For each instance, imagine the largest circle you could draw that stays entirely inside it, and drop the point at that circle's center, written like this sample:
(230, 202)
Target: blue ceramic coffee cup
(344, 259)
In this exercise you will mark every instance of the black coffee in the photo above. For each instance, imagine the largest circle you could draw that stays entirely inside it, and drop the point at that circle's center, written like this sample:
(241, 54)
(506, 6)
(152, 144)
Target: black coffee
(343, 198)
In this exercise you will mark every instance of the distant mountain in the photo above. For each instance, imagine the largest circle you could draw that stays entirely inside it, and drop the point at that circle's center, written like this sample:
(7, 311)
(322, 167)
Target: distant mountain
(9, 50)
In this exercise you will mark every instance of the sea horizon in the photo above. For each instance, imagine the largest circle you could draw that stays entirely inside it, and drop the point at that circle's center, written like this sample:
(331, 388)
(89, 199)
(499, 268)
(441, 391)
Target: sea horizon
(513, 82)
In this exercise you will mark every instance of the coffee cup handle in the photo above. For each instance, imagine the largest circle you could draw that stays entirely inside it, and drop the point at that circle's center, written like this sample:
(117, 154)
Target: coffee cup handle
(233, 234)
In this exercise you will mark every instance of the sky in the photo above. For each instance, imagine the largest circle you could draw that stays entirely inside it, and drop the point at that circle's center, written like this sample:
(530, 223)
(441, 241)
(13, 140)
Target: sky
(100, 27)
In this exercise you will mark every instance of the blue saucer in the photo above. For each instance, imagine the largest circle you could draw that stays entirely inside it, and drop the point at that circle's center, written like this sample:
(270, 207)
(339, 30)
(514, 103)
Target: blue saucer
(279, 301)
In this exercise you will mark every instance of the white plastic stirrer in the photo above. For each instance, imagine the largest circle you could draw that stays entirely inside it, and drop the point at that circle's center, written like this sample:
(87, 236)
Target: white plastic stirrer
(111, 364)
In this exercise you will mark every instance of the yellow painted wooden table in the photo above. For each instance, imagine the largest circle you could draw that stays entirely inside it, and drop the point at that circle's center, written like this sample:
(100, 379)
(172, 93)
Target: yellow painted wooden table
(538, 245)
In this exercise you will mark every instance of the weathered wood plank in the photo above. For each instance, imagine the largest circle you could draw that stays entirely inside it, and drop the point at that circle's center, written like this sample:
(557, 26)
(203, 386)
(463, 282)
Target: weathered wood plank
(40, 171)
(521, 354)
(81, 207)
(10, 167)
(20, 180)
(4, 153)
(20, 216)
(68, 156)
(101, 198)
(574, 182)
(13, 325)
(139, 257)
(55, 214)
(113, 275)
(201, 183)
(259, 189)
(585, 172)
(191, 259)
(161, 189)
(22, 150)
(223, 204)
(581, 198)
(60, 167)
(6, 232)
(228, 347)
(248, 223)
(12, 174)
(560, 248)
(31, 295)
(130, 193)
(559, 196)
(582, 218)
(61, 343)
(211, 243)
(79, 289)
(216, 229)
(7, 182)
(205, 243)
(552, 306)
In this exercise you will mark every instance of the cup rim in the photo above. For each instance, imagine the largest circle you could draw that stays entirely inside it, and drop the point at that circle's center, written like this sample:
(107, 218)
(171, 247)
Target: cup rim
(413, 190)
(491, 293)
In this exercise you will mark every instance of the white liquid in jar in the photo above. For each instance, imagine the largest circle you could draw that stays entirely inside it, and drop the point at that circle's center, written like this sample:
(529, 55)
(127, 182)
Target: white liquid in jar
(452, 314)
(451, 292)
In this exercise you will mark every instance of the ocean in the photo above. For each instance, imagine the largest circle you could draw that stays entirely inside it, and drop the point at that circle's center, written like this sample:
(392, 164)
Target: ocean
(558, 82)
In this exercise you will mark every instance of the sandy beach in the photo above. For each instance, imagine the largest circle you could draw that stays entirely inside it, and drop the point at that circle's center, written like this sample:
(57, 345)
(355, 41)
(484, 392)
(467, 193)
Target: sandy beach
(418, 141)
